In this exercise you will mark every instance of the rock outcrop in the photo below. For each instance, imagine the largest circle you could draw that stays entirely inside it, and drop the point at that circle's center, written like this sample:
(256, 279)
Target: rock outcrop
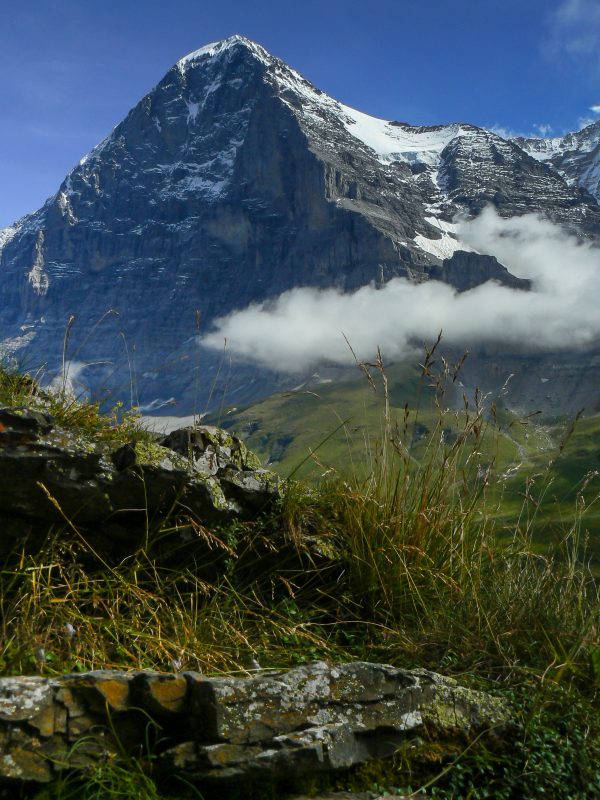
(468, 270)
(271, 725)
(51, 474)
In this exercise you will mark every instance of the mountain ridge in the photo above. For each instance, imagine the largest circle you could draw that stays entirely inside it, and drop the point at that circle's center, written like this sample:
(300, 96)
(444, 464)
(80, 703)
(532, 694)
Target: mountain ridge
(233, 180)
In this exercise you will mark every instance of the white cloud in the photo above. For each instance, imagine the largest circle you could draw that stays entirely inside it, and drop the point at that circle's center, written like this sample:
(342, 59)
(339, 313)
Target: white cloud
(307, 326)
(542, 129)
(574, 31)
(507, 133)
(595, 109)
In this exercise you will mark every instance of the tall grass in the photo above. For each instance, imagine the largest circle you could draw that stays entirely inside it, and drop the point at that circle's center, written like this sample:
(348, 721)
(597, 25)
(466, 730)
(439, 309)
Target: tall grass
(413, 555)
(408, 561)
(429, 564)
(152, 610)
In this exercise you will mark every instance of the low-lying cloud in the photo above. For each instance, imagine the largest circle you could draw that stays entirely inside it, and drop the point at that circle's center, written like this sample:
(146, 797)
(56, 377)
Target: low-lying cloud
(307, 326)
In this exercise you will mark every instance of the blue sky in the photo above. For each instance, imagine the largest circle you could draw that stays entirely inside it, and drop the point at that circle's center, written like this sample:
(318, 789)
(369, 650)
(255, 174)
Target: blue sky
(71, 69)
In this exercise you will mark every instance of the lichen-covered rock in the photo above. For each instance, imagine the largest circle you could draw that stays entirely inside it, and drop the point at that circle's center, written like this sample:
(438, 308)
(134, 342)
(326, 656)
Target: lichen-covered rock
(210, 449)
(24, 421)
(50, 474)
(273, 725)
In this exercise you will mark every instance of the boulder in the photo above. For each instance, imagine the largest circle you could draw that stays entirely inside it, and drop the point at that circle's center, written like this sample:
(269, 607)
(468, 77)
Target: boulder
(51, 474)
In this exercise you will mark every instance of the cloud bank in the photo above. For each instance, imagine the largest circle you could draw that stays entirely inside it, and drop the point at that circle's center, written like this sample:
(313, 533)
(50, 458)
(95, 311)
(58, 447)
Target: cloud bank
(307, 326)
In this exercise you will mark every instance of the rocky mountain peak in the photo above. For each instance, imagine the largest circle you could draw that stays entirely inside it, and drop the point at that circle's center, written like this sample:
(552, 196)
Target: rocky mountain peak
(232, 181)
(217, 49)
(575, 155)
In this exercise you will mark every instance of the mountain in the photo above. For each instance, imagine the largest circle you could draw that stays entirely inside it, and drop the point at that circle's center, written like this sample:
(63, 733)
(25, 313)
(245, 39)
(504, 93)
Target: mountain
(232, 181)
(575, 156)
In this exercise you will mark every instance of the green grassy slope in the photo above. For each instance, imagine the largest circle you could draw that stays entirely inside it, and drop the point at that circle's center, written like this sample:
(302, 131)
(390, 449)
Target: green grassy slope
(342, 423)
(537, 468)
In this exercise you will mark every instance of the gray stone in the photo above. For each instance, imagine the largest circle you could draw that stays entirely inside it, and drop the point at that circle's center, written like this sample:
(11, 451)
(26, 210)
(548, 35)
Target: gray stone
(24, 420)
(318, 717)
(66, 475)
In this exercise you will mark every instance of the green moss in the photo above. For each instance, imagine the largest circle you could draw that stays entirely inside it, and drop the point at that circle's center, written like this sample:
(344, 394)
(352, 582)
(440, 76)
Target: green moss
(460, 708)
(152, 454)
(216, 493)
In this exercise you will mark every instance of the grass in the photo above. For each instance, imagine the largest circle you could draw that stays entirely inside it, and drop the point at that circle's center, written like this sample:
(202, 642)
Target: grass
(19, 389)
(342, 424)
(420, 553)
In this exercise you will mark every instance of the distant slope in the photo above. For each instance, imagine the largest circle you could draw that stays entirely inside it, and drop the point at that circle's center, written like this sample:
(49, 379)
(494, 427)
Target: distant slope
(340, 426)
(544, 478)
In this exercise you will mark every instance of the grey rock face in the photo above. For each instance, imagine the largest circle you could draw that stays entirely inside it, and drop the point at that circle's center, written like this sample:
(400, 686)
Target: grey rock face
(468, 270)
(483, 169)
(317, 716)
(232, 181)
(50, 475)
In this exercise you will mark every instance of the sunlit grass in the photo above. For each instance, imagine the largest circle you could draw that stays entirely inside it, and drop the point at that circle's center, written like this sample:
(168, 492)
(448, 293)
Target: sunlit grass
(416, 550)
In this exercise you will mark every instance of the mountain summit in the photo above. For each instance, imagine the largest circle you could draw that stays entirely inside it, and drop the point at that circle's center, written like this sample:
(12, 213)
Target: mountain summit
(232, 181)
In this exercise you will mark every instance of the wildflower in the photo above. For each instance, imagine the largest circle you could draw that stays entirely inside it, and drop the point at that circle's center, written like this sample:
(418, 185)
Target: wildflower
(69, 630)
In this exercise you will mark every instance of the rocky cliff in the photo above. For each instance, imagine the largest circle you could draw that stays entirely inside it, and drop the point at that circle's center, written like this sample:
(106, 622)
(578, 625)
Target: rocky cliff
(576, 156)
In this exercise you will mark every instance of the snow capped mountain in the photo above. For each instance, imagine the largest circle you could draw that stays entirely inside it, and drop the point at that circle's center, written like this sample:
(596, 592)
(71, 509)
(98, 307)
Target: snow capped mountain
(576, 156)
(232, 181)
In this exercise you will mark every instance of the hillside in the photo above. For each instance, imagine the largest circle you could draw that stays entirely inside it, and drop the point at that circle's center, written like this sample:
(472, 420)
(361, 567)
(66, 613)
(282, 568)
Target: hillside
(121, 604)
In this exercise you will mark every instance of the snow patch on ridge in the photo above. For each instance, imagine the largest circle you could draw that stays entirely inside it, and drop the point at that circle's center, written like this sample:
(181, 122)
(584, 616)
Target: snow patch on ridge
(396, 142)
(442, 248)
(193, 109)
(446, 245)
(390, 141)
(6, 234)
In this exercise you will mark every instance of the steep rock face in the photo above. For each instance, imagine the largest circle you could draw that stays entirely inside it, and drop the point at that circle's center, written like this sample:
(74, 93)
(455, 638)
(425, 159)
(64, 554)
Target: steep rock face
(230, 182)
(483, 169)
(468, 270)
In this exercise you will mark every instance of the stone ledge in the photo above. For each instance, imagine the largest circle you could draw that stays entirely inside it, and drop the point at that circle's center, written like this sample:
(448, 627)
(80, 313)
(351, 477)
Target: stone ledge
(275, 724)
